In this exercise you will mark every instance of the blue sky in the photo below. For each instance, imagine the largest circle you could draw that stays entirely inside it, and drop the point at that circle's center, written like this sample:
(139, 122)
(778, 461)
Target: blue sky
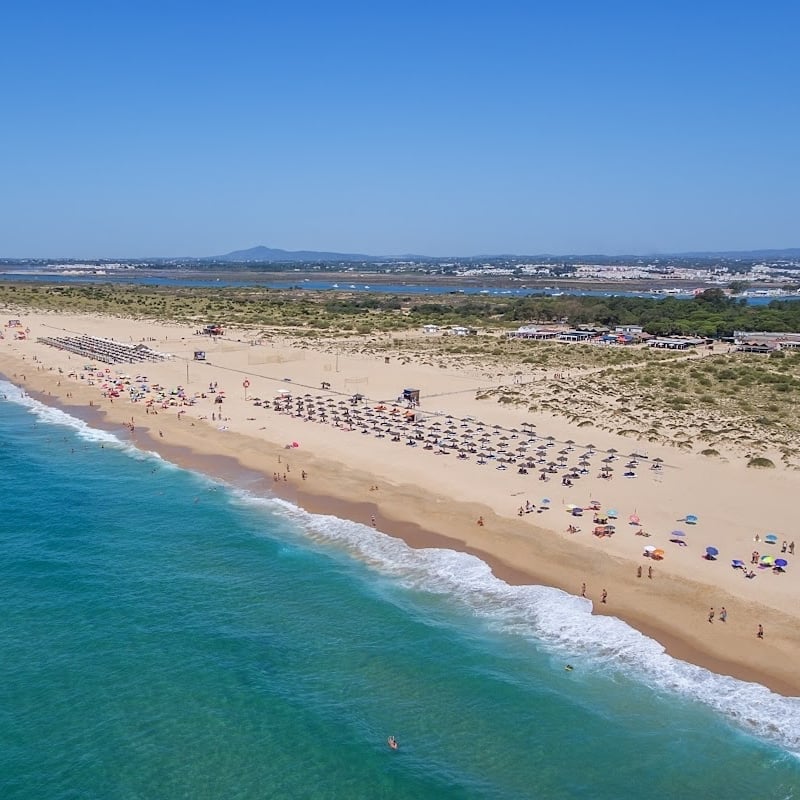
(445, 128)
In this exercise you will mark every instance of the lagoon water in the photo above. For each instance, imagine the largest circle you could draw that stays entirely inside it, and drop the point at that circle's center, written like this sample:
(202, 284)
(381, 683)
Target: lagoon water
(403, 288)
(167, 636)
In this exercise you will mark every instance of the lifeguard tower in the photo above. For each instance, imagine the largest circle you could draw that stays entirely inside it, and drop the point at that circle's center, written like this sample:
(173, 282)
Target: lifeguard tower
(411, 396)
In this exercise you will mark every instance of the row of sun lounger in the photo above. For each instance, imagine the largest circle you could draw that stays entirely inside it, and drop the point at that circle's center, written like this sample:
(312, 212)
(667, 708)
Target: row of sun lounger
(105, 350)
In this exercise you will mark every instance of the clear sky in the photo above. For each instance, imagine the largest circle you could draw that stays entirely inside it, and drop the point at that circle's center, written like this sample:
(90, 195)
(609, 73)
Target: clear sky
(443, 127)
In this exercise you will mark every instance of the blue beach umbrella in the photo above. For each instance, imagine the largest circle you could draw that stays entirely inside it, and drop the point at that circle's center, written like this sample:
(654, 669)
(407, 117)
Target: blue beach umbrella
(712, 551)
(781, 562)
(737, 563)
(612, 513)
(677, 533)
(690, 519)
(771, 538)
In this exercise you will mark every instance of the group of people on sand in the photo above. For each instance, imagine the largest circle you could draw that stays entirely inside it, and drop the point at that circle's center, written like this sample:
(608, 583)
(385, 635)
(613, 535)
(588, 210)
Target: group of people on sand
(723, 617)
(784, 546)
(603, 594)
(529, 508)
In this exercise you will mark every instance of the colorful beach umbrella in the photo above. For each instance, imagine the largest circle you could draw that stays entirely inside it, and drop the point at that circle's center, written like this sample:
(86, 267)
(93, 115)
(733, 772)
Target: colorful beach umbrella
(766, 560)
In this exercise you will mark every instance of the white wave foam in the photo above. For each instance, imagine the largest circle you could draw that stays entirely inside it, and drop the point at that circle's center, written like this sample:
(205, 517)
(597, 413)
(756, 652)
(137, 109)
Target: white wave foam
(560, 622)
(55, 416)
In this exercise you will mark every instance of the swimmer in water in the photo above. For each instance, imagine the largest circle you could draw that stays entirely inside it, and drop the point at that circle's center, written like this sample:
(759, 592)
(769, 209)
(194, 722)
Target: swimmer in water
(392, 742)
(569, 668)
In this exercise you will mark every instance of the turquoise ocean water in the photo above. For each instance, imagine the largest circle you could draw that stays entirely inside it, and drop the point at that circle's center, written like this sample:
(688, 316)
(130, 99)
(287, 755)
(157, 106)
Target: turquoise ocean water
(166, 636)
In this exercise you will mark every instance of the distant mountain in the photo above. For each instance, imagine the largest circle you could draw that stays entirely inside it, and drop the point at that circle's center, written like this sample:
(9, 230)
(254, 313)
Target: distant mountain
(778, 255)
(263, 254)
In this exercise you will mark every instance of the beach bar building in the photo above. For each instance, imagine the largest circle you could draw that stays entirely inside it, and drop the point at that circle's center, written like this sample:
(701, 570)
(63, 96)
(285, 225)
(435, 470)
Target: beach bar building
(576, 336)
(765, 341)
(630, 330)
(460, 330)
(675, 342)
(533, 333)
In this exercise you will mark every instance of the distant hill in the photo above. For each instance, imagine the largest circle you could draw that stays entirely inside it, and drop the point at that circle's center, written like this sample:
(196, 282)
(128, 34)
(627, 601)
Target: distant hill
(778, 255)
(263, 254)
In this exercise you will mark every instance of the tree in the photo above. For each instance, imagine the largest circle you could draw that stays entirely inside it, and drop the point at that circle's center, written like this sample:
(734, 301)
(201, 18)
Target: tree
(713, 299)
(737, 287)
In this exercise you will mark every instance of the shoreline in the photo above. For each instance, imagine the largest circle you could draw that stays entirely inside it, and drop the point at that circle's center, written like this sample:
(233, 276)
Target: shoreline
(231, 470)
(429, 500)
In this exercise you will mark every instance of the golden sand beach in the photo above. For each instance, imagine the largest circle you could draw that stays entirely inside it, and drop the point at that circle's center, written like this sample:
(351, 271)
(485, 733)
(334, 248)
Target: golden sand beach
(420, 474)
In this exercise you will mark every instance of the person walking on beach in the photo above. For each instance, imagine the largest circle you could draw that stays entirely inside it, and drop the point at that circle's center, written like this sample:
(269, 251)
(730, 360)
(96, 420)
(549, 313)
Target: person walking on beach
(711, 615)
(583, 590)
(723, 614)
(603, 596)
(639, 571)
(791, 548)
(650, 573)
(760, 633)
